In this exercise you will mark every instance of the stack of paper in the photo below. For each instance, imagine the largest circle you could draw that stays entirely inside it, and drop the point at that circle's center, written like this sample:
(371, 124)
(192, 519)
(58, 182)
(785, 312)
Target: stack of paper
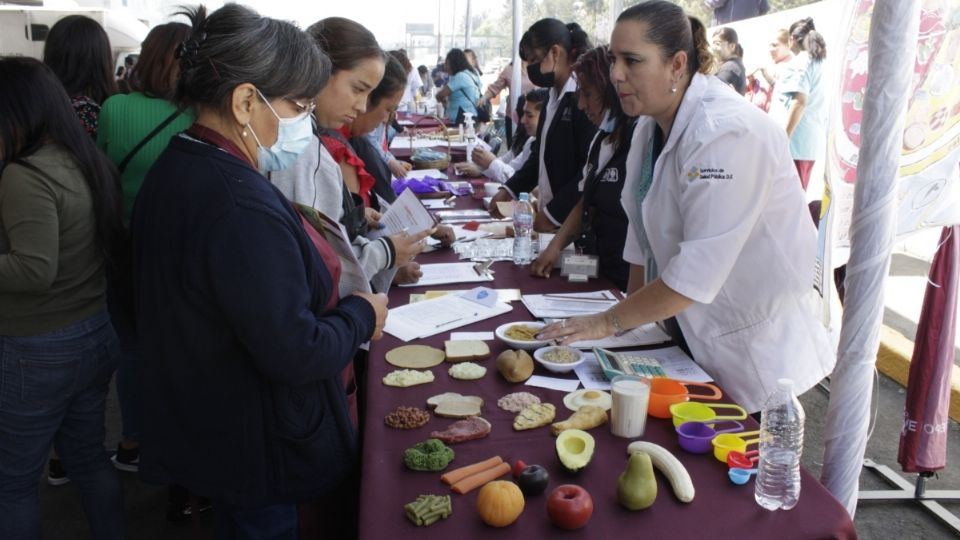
(442, 314)
(443, 273)
(563, 305)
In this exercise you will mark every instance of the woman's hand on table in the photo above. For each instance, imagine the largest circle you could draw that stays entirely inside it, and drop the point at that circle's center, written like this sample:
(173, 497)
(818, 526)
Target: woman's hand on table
(575, 329)
(408, 273)
(467, 169)
(545, 262)
(379, 304)
(482, 157)
(501, 196)
(399, 168)
(373, 218)
(408, 246)
(445, 234)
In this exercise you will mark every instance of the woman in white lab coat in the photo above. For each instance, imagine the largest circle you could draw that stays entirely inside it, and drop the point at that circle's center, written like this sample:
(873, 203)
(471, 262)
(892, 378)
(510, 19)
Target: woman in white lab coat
(719, 231)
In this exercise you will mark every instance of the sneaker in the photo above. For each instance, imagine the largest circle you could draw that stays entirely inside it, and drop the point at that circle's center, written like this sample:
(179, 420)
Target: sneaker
(56, 476)
(127, 460)
(182, 511)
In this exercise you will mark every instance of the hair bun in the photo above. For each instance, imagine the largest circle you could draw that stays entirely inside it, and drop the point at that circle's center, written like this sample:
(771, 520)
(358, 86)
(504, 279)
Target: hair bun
(573, 27)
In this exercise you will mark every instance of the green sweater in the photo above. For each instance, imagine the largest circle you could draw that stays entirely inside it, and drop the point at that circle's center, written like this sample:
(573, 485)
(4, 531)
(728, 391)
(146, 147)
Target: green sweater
(51, 269)
(125, 119)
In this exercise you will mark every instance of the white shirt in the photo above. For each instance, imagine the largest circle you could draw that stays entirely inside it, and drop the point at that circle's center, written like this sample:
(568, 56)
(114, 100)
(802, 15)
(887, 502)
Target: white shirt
(414, 84)
(543, 181)
(729, 228)
(502, 168)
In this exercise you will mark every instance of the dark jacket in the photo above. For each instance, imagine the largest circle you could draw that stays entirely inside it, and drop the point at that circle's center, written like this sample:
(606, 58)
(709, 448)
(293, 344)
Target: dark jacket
(243, 399)
(568, 141)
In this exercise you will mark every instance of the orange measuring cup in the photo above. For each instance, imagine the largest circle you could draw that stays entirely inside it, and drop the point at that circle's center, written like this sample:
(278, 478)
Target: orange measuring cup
(725, 443)
(666, 392)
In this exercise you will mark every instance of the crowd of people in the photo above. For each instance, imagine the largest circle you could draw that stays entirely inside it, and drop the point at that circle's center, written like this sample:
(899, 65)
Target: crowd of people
(206, 235)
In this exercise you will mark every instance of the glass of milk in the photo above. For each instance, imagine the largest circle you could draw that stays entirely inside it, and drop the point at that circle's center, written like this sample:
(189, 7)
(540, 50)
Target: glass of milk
(628, 415)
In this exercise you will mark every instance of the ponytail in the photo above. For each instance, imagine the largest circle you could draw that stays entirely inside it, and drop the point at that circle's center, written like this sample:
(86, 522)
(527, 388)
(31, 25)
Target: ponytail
(815, 46)
(701, 59)
(806, 35)
(579, 41)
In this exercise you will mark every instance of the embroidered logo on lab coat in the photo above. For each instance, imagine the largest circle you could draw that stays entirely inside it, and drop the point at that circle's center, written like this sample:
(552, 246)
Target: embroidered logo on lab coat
(610, 175)
(704, 173)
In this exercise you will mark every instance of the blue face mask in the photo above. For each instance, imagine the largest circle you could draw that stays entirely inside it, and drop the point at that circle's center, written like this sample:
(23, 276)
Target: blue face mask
(293, 138)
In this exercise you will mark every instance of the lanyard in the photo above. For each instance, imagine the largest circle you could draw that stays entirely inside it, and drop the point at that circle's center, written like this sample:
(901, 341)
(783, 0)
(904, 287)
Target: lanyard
(646, 180)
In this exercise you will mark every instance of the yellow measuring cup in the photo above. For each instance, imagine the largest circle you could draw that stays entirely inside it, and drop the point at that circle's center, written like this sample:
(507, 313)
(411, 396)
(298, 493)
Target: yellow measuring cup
(694, 411)
(724, 443)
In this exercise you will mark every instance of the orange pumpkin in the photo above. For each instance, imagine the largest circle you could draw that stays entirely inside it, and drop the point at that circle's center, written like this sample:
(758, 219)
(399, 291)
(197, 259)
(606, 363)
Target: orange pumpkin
(500, 503)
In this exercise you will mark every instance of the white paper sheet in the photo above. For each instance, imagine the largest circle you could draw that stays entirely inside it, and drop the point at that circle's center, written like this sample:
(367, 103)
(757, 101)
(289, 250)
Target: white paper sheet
(562, 305)
(431, 317)
(553, 383)
(648, 334)
(467, 336)
(444, 273)
(677, 365)
(400, 142)
(420, 173)
(406, 213)
(591, 374)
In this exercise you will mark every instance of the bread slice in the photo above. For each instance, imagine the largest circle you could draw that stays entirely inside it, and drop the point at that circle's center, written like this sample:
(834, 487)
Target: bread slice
(466, 350)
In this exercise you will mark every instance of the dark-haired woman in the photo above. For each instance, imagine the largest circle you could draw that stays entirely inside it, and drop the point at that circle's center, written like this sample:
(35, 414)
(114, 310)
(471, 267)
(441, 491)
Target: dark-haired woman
(550, 49)
(726, 47)
(500, 169)
(462, 91)
(598, 223)
(77, 49)
(59, 219)
(719, 229)
(330, 177)
(244, 335)
(800, 98)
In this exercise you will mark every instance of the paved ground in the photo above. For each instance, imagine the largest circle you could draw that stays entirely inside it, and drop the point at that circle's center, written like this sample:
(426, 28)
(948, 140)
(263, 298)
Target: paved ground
(145, 505)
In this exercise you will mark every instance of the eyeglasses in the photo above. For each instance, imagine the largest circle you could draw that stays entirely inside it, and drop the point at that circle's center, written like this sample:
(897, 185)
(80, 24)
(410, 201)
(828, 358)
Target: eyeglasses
(303, 108)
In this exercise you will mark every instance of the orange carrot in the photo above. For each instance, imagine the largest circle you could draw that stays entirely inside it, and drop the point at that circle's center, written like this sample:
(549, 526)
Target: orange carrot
(454, 476)
(476, 480)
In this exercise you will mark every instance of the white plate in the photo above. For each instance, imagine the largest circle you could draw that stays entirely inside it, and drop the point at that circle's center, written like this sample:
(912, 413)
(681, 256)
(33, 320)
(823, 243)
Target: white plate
(557, 367)
(501, 330)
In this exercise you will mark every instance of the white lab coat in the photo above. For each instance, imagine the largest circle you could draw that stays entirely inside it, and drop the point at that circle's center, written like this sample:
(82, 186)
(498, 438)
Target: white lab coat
(728, 227)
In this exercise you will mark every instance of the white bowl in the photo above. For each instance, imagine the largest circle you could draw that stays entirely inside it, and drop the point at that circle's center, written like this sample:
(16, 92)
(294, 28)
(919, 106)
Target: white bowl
(558, 367)
(501, 333)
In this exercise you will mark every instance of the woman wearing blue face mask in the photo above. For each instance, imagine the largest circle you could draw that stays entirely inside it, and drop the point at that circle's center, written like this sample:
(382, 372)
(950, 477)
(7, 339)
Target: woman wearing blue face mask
(244, 335)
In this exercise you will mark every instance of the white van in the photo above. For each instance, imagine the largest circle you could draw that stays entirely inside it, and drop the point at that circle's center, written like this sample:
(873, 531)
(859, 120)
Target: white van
(24, 29)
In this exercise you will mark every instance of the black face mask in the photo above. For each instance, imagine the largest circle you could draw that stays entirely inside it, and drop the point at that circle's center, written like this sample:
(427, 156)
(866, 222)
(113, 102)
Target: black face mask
(543, 80)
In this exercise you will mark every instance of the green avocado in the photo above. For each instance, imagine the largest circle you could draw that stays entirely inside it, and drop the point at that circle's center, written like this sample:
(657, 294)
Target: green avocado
(575, 449)
(637, 486)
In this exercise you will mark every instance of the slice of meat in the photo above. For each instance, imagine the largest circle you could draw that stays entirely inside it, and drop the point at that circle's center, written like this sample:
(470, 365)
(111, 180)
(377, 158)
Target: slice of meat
(467, 429)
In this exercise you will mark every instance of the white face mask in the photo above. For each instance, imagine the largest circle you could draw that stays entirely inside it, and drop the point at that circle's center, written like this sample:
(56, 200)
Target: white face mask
(293, 138)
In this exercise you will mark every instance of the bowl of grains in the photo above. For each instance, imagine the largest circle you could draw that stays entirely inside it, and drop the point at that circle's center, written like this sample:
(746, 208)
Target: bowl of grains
(559, 358)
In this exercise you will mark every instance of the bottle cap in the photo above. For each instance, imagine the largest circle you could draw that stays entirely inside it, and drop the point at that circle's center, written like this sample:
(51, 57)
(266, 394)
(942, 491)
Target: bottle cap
(526, 197)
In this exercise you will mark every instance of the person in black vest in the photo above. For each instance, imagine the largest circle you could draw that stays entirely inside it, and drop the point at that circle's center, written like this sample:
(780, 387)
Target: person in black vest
(564, 133)
(598, 223)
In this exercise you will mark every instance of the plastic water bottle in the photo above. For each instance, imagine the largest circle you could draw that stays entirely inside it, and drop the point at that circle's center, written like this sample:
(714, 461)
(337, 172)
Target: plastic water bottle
(523, 231)
(781, 443)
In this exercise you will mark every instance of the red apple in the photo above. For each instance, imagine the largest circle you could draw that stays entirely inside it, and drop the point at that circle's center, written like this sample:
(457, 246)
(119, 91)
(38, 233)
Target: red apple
(569, 506)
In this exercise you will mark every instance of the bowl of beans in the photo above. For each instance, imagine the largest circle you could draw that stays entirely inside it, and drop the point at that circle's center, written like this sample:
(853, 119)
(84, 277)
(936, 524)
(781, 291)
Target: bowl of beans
(558, 358)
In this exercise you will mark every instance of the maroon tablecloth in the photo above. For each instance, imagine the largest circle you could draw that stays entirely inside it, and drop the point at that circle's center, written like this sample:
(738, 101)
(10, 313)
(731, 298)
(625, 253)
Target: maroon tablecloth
(719, 510)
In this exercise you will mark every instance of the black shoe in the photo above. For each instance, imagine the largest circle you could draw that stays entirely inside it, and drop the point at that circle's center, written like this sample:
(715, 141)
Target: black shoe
(56, 475)
(179, 508)
(126, 460)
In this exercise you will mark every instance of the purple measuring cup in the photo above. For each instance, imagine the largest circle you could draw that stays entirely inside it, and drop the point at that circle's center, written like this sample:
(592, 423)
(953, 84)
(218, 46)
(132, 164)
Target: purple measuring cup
(695, 437)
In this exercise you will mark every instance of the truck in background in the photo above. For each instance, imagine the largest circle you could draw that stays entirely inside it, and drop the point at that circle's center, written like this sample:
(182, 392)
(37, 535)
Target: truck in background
(24, 28)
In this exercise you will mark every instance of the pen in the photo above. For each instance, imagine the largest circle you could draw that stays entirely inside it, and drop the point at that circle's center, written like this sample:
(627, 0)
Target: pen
(453, 321)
